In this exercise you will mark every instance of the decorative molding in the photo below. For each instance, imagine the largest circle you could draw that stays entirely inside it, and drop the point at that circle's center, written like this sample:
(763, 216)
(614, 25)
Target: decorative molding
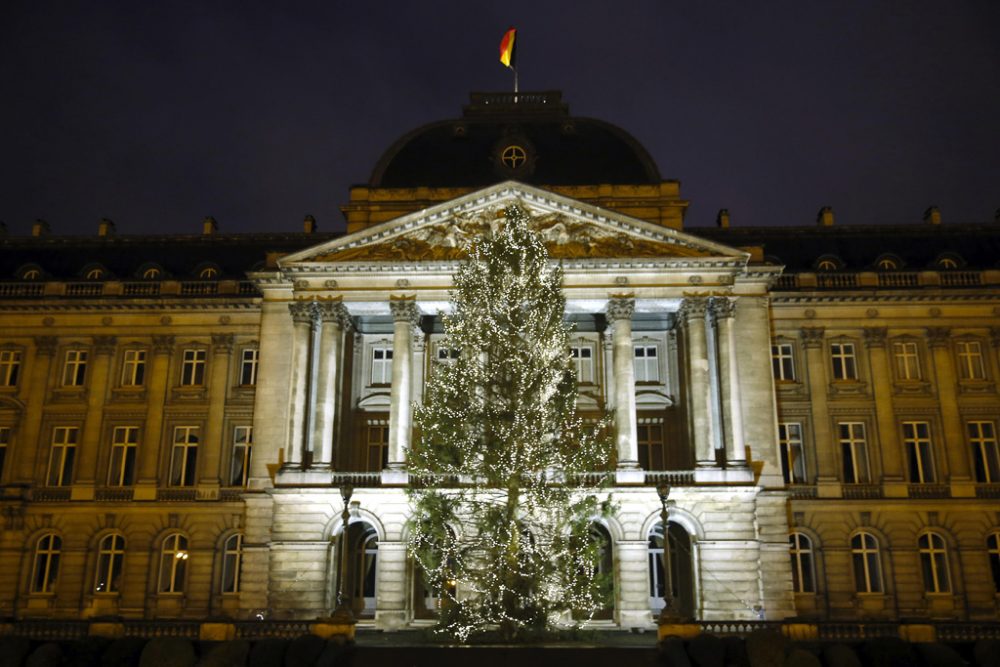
(620, 309)
(938, 336)
(874, 336)
(45, 345)
(722, 307)
(222, 343)
(403, 310)
(812, 337)
(104, 344)
(163, 344)
(306, 312)
(692, 309)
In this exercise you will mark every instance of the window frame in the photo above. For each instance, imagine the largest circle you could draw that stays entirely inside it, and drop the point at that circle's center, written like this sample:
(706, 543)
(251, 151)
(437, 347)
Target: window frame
(985, 450)
(383, 377)
(123, 455)
(194, 365)
(11, 359)
(783, 366)
(110, 564)
(869, 556)
(799, 553)
(74, 369)
(133, 369)
(793, 468)
(183, 470)
(902, 360)
(647, 363)
(174, 554)
(382, 445)
(59, 472)
(45, 561)
(6, 435)
(241, 453)
(583, 363)
(847, 369)
(851, 443)
(650, 443)
(919, 448)
(970, 366)
(232, 562)
(934, 563)
(249, 366)
(993, 557)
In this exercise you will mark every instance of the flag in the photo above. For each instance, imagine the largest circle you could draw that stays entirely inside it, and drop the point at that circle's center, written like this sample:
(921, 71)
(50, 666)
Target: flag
(507, 53)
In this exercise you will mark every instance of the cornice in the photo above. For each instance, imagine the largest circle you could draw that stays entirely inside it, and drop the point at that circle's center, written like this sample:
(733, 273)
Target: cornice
(130, 306)
(883, 298)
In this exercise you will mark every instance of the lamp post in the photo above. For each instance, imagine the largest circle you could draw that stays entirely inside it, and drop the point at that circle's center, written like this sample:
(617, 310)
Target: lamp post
(669, 613)
(343, 611)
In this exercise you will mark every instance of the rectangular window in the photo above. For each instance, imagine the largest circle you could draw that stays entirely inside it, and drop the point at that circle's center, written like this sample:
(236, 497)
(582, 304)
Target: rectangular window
(124, 443)
(985, 454)
(845, 365)
(970, 360)
(193, 368)
(377, 447)
(793, 463)
(782, 362)
(61, 456)
(75, 368)
(4, 444)
(650, 441)
(239, 471)
(583, 360)
(919, 452)
(854, 452)
(447, 355)
(248, 366)
(907, 360)
(10, 367)
(647, 367)
(184, 456)
(133, 368)
(381, 365)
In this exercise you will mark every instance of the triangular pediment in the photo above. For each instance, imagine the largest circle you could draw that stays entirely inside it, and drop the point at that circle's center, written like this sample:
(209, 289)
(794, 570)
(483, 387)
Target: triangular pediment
(570, 228)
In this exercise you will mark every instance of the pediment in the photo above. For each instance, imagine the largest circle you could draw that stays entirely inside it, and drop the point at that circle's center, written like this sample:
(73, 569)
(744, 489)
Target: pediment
(570, 228)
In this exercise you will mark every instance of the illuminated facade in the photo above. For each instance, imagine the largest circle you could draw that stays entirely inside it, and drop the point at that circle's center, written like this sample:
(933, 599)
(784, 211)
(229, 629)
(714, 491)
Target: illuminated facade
(179, 415)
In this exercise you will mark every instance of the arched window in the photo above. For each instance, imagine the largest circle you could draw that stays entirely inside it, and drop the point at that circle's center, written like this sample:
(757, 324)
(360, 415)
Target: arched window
(150, 271)
(110, 554)
(29, 272)
(232, 563)
(681, 568)
(888, 263)
(934, 563)
(828, 263)
(45, 569)
(993, 549)
(362, 566)
(803, 572)
(208, 272)
(173, 563)
(867, 566)
(96, 273)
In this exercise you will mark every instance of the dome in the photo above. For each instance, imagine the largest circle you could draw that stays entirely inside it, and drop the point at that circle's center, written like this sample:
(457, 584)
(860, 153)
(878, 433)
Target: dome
(529, 137)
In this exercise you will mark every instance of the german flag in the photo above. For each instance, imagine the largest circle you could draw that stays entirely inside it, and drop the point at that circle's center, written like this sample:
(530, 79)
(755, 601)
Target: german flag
(507, 53)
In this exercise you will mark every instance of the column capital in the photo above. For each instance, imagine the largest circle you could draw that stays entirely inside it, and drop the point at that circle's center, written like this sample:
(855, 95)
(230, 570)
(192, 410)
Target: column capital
(874, 336)
(620, 308)
(723, 307)
(812, 336)
(305, 312)
(45, 345)
(334, 312)
(403, 310)
(692, 308)
(104, 344)
(995, 336)
(222, 343)
(163, 344)
(938, 336)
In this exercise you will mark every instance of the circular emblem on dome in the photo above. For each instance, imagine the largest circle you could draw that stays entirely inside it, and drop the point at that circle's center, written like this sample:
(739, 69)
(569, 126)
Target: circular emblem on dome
(513, 157)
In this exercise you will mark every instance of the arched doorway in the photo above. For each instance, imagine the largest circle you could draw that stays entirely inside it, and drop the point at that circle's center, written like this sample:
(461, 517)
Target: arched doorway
(605, 570)
(362, 566)
(681, 566)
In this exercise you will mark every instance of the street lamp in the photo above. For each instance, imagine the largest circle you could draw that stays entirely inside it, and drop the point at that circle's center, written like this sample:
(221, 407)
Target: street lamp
(343, 611)
(669, 613)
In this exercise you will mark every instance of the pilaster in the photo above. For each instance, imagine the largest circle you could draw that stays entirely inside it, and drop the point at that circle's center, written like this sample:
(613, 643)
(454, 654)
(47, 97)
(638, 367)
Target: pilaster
(86, 476)
(939, 340)
(45, 349)
(888, 435)
(210, 454)
(149, 451)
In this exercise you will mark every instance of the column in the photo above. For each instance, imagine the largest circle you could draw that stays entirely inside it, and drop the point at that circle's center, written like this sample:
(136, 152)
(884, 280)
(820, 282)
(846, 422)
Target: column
(149, 448)
(888, 435)
(619, 314)
(724, 311)
(90, 443)
(826, 456)
(304, 318)
(335, 318)
(28, 443)
(955, 445)
(404, 312)
(692, 313)
(210, 451)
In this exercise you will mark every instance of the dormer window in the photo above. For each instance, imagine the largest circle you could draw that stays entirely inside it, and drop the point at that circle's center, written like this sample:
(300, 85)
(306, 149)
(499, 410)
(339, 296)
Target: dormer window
(151, 274)
(150, 271)
(949, 261)
(30, 272)
(94, 272)
(207, 272)
(888, 263)
(828, 263)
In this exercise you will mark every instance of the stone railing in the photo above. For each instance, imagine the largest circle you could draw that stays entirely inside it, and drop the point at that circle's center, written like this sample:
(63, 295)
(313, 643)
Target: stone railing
(114, 494)
(856, 631)
(885, 279)
(126, 288)
(862, 491)
(929, 491)
(987, 490)
(801, 491)
(50, 495)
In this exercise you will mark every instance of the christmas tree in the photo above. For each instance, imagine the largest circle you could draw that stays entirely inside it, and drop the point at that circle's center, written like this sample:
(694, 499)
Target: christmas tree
(503, 528)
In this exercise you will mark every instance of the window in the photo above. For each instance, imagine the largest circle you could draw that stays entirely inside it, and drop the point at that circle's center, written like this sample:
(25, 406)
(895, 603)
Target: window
(887, 264)
(793, 463)
(152, 273)
(970, 360)
(865, 557)
(10, 367)
(173, 563)
(985, 454)
(917, 442)
(184, 456)
(31, 274)
(800, 548)
(94, 274)
(650, 440)
(907, 360)
(4, 443)
(447, 355)
(239, 471)
(377, 447)
(124, 442)
(827, 265)
(110, 554)
(232, 561)
(193, 368)
(993, 550)
(208, 273)
(248, 366)
(934, 563)
(133, 368)
(782, 362)
(62, 455)
(45, 569)
(853, 450)
(74, 368)
(583, 361)
(381, 365)
(647, 368)
(845, 365)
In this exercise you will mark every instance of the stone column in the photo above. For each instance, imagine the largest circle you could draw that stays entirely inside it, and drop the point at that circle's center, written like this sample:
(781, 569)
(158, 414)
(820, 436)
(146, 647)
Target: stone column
(400, 410)
(391, 585)
(210, 451)
(888, 434)
(826, 446)
(331, 347)
(631, 557)
(619, 314)
(305, 316)
(37, 391)
(692, 313)
(732, 406)
(951, 419)
(90, 443)
(149, 448)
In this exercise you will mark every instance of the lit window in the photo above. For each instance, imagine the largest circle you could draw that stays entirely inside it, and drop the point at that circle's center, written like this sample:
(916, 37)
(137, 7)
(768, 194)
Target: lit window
(133, 368)
(193, 368)
(793, 463)
(151, 273)
(4, 443)
(800, 549)
(61, 456)
(985, 454)
(947, 263)
(970, 360)
(232, 562)
(45, 569)
(827, 265)
(907, 360)
(917, 442)
(513, 156)
(31, 274)
(650, 441)
(934, 563)
(184, 456)
(887, 264)
(865, 557)
(173, 563)
(377, 447)
(94, 274)
(74, 368)
(208, 273)
(647, 368)
(853, 450)
(248, 366)
(782, 362)
(583, 360)
(239, 471)
(993, 550)
(381, 365)
(845, 365)
(110, 555)
(10, 367)
(124, 443)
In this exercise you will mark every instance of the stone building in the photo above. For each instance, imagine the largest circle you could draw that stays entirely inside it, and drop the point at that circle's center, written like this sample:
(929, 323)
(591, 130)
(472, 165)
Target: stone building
(180, 416)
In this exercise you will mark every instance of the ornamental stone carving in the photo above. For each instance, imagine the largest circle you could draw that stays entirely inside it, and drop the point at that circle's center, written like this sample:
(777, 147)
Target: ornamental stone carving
(692, 309)
(163, 344)
(995, 336)
(104, 344)
(723, 307)
(874, 336)
(812, 336)
(223, 342)
(403, 311)
(305, 312)
(620, 309)
(938, 336)
(45, 345)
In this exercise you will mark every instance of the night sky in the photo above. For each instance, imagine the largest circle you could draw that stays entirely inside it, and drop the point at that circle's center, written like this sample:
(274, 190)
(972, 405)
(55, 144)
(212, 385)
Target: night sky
(156, 114)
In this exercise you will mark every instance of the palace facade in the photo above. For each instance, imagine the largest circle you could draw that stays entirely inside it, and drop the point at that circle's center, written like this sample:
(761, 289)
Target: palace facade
(186, 420)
